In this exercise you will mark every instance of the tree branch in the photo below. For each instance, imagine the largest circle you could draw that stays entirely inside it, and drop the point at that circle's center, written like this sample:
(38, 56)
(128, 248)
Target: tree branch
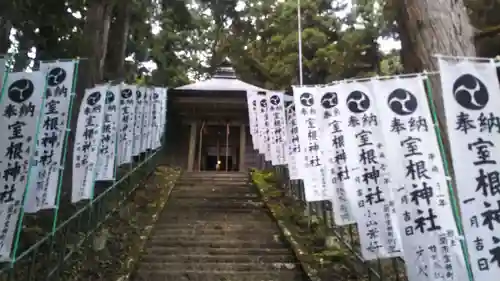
(487, 32)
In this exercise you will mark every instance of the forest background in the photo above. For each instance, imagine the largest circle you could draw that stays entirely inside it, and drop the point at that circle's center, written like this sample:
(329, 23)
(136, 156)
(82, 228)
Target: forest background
(172, 42)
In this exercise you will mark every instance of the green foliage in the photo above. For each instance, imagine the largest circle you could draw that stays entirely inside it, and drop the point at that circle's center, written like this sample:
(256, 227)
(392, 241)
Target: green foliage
(262, 42)
(484, 17)
(259, 37)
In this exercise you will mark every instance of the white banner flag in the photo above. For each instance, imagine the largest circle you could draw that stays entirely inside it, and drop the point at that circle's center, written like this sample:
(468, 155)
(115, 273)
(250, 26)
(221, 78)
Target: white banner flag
(471, 97)
(276, 113)
(366, 168)
(306, 106)
(152, 117)
(253, 117)
(155, 115)
(126, 124)
(160, 115)
(293, 144)
(146, 119)
(164, 110)
(333, 155)
(427, 226)
(46, 172)
(21, 108)
(87, 142)
(139, 118)
(108, 147)
(264, 140)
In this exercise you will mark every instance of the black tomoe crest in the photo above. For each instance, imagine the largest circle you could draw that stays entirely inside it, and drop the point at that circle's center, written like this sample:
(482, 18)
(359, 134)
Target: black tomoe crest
(94, 98)
(274, 100)
(56, 76)
(470, 92)
(358, 102)
(329, 100)
(20, 90)
(306, 99)
(263, 103)
(110, 97)
(402, 102)
(126, 93)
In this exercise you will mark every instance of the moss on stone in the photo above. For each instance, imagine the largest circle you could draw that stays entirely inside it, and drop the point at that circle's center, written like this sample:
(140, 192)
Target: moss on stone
(305, 234)
(127, 231)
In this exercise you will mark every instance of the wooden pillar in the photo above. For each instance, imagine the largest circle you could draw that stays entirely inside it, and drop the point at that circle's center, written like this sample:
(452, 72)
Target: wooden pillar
(192, 146)
(243, 138)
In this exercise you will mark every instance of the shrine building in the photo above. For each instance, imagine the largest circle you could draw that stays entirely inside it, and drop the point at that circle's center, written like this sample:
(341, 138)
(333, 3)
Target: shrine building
(208, 125)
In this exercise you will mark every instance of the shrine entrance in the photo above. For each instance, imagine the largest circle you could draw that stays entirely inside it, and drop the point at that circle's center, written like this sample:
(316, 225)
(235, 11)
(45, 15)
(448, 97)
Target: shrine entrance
(216, 114)
(218, 148)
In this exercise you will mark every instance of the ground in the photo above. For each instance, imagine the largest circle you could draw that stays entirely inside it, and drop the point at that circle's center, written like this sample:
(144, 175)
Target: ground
(120, 241)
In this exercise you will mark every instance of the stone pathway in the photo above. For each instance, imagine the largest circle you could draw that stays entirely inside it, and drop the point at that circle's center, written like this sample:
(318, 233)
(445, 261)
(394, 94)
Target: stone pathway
(215, 228)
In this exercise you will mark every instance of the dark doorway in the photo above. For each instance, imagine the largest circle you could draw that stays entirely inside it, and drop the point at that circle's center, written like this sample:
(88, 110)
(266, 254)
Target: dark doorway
(214, 143)
(211, 163)
(229, 163)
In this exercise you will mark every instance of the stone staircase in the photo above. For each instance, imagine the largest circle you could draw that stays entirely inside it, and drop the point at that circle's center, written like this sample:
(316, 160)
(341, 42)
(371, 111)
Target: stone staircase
(215, 228)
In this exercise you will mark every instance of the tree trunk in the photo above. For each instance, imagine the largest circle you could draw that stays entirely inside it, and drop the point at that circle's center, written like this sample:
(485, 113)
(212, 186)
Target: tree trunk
(94, 43)
(115, 60)
(21, 59)
(90, 72)
(410, 62)
(5, 27)
(435, 27)
(214, 49)
(104, 36)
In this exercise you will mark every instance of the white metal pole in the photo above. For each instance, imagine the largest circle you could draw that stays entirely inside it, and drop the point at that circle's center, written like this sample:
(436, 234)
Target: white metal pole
(299, 26)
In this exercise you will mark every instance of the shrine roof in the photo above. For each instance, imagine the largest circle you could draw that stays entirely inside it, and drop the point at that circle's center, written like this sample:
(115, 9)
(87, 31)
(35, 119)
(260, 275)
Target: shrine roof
(224, 80)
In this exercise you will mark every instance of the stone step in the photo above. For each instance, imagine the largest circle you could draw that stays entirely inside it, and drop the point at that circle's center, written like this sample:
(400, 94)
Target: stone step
(217, 236)
(242, 238)
(197, 184)
(196, 275)
(189, 195)
(216, 228)
(217, 211)
(213, 231)
(214, 179)
(221, 242)
(208, 225)
(194, 183)
(220, 266)
(224, 258)
(163, 250)
(224, 223)
(216, 201)
(227, 194)
(182, 206)
(211, 244)
(214, 174)
(207, 218)
(213, 187)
